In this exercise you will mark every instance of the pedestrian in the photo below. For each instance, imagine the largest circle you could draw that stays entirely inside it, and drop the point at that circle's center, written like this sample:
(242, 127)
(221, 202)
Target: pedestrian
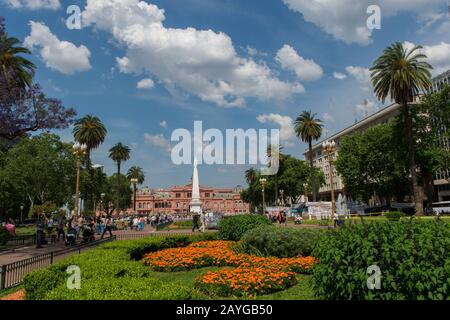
(11, 228)
(108, 227)
(280, 217)
(60, 228)
(195, 225)
(40, 225)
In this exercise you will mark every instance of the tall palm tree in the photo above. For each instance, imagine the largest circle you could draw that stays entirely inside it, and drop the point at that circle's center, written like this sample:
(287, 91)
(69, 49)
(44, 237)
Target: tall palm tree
(309, 128)
(15, 68)
(91, 131)
(136, 172)
(118, 154)
(403, 74)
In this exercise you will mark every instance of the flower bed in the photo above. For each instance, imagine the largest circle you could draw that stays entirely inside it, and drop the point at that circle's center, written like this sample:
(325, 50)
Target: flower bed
(251, 275)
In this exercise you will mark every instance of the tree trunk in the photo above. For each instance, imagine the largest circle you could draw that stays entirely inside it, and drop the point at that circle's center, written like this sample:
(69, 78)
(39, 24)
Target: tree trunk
(118, 187)
(412, 162)
(313, 176)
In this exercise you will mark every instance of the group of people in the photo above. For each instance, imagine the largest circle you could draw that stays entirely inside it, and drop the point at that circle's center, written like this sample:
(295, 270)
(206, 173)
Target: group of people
(280, 217)
(59, 228)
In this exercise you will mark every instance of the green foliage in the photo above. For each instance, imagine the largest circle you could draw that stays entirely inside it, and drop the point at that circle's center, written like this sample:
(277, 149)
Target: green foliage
(412, 256)
(371, 162)
(280, 242)
(110, 272)
(5, 236)
(41, 168)
(233, 227)
(38, 283)
(124, 288)
(393, 216)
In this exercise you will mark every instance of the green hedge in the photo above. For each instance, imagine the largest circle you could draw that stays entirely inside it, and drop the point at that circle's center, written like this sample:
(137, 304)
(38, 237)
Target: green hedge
(413, 257)
(280, 242)
(111, 272)
(233, 227)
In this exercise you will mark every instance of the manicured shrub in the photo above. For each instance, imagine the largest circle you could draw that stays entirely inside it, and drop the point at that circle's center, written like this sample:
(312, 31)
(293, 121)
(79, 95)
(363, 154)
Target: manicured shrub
(127, 288)
(38, 283)
(279, 241)
(393, 216)
(109, 272)
(233, 227)
(413, 257)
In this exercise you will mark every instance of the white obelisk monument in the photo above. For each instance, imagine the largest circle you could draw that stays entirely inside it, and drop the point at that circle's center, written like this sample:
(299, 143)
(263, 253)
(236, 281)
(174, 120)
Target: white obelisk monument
(195, 204)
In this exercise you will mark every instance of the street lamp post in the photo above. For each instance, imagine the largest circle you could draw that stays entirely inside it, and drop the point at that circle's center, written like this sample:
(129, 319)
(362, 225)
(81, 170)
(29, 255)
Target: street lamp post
(21, 214)
(134, 181)
(102, 196)
(80, 151)
(263, 182)
(330, 149)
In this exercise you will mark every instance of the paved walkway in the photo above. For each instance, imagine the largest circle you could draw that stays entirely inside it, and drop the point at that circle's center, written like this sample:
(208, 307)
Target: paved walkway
(26, 252)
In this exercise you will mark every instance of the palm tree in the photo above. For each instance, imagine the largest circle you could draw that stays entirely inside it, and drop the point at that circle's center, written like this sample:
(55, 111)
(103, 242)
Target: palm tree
(89, 130)
(119, 153)
(14, 67)
(403, 74)
(137, 173)
(309, 128)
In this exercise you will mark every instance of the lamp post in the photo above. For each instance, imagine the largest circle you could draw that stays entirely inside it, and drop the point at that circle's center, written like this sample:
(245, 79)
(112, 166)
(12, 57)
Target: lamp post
(102, 196)
(263, 182)
(79, 151)
(134, 181)
(330, 148)
(21, 214)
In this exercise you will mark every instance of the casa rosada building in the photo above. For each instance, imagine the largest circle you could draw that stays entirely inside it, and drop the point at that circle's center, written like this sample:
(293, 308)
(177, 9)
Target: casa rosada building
(176, 200)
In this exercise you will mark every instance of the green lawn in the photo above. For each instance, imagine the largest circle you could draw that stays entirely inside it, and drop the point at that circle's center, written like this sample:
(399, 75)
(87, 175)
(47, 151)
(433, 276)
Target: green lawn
(26, 231)
(301, 291)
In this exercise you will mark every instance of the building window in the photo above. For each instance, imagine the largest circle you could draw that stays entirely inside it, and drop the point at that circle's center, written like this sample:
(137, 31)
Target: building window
(177, 195)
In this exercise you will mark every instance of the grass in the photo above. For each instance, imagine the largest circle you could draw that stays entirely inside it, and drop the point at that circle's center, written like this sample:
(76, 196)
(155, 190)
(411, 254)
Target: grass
(301, 291)
(25, 231)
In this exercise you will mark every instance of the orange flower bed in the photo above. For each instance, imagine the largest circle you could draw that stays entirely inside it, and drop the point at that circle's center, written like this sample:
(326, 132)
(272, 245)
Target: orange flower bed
(18, 295)
(246, 281)
(251, 275)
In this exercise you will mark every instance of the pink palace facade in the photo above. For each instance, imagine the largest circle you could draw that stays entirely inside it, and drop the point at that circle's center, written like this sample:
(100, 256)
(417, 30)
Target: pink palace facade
(175, 200)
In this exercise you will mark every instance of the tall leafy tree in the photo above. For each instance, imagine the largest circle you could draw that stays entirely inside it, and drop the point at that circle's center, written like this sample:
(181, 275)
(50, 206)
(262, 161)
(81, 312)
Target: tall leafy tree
(403, 74)
(136, 172)
(42, 169)
(91, 131)
(118, 154)
(309, 128)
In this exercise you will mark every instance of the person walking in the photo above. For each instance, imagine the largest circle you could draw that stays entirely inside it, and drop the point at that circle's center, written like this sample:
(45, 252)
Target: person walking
(60, 228)
(108, 227)
(195, 225)
(40, 225)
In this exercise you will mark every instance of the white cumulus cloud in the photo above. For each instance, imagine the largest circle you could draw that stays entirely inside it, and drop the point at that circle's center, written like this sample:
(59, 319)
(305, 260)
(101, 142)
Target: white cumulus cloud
(305, 69)
(158, 141)
(62, 56)
(339, 75)
(362, 75)
(203, 63)
(34, 4)
(286, 124)
(163, 124)
(145, 84)
(346, 19)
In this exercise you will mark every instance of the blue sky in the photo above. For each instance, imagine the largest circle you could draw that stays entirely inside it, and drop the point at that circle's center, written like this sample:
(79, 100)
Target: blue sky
(232, 64)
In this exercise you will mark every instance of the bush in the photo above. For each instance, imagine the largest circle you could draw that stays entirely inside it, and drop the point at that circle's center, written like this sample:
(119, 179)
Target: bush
(109, 272)
(393, 216)
(233, 227)
(280, 242)
(128, 288)
(5, 236)
(412, 256)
